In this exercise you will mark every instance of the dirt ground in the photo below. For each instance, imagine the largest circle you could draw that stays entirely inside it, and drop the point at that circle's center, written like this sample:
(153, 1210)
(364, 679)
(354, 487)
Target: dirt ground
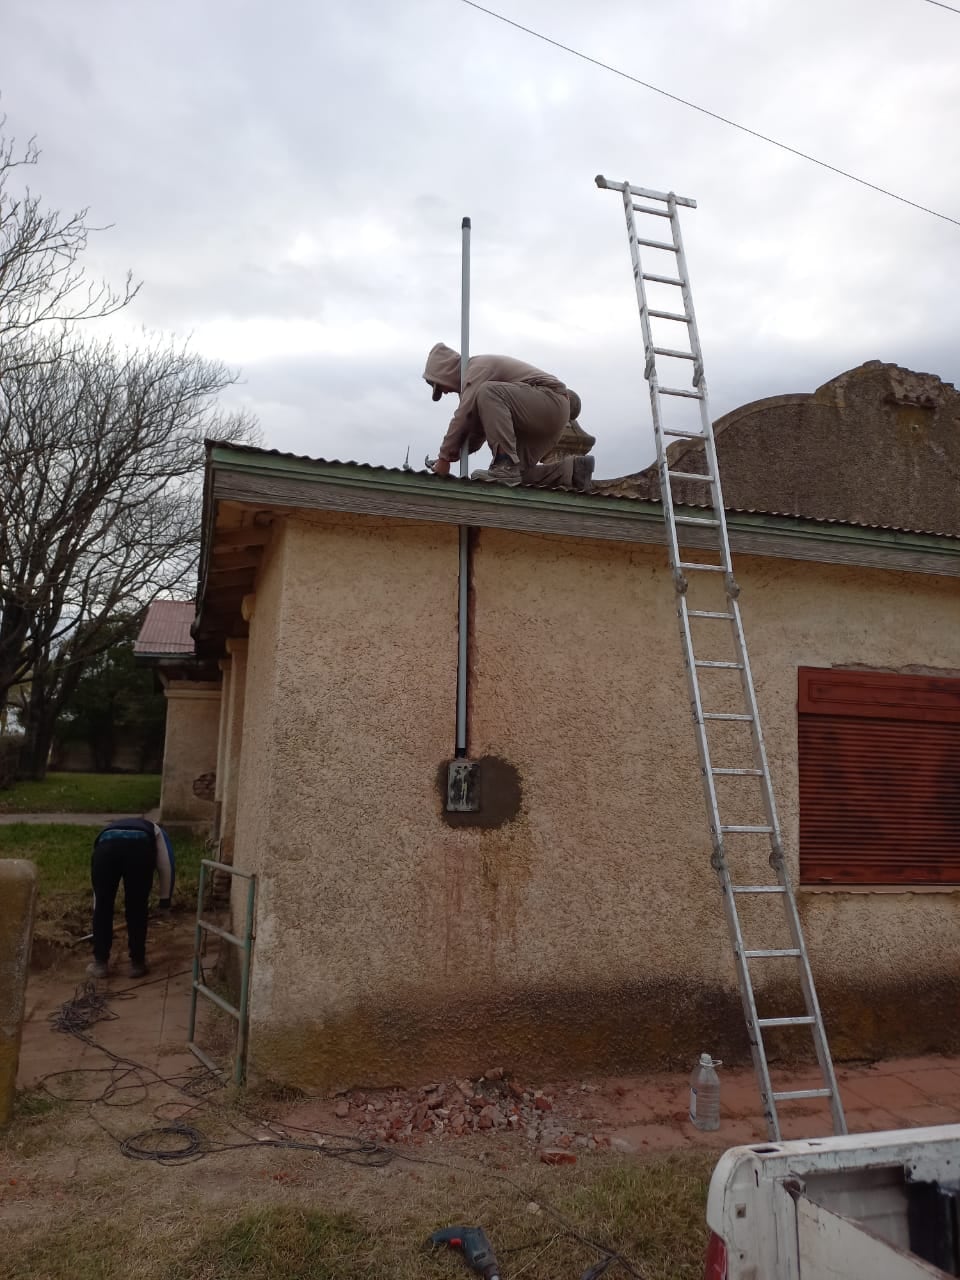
(282, 1184)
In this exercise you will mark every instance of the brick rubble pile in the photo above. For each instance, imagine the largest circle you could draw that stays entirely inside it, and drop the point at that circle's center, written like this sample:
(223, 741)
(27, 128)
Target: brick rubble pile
(494, 1102)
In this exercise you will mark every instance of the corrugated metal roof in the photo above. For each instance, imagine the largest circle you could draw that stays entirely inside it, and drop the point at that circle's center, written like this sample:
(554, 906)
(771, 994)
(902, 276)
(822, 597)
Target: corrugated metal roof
(793, 515)
(166, 629)
(853, 524)
(321, 462)
(598, 492)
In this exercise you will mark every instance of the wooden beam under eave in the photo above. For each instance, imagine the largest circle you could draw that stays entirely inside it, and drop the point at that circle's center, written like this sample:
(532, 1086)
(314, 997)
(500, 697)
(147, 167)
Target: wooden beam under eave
(232, 539)
(222, 612)
(219, 579)
(226, 560)
(226, 600)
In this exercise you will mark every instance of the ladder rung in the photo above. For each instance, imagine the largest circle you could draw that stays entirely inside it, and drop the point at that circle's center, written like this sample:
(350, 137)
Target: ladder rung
(663, 280)
(688, 475)
(805, 1021)
(707, 568)
(747, 831)
(678, 391)
(705, 521)
(657, 213)
(788, 1095)
(658, 244)
(770, 955)
(684, 435)
(758, 888)
(720, 666)
(668, 315)
(674, 355)
(739, 773)
(725, 715)
(708, 613)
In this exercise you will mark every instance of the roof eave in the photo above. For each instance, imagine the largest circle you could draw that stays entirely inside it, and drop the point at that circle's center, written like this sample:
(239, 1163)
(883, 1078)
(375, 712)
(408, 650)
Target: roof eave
(261, 480)
(234, 472)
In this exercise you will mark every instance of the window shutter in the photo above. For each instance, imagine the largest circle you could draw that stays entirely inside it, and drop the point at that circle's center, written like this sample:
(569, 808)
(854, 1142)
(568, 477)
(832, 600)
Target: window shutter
(879, 778)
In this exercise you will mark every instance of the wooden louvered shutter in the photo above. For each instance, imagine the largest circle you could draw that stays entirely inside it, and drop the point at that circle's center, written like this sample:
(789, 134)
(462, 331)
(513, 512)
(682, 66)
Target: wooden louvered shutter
(879, 778)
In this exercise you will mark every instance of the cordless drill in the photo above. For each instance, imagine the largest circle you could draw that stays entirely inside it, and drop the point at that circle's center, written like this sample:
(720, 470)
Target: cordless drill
(475, 1247)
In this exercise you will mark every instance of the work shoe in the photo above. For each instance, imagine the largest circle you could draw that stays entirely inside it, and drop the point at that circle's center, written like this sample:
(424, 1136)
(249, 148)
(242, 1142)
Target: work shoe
(506, 472)
(98, 968)
(138, 969)
(583, 473)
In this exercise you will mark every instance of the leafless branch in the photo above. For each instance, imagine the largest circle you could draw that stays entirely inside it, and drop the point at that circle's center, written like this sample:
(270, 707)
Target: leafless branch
(100, 460)
(42, 279)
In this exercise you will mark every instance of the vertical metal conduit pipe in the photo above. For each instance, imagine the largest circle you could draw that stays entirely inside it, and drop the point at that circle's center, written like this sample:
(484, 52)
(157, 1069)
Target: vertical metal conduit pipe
(463, 612)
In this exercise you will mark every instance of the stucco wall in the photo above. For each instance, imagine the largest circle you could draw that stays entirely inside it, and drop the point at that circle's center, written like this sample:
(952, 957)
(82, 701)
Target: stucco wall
(189, 749)
(231, 743)
(259, 808)
(586, 931)
(225, 675)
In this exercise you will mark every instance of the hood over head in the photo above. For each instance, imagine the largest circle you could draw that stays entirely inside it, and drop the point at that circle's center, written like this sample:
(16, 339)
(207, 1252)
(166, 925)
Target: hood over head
(442, 370)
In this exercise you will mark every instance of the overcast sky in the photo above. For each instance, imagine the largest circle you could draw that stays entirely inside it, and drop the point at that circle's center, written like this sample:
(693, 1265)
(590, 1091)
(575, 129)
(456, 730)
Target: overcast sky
(288, 180)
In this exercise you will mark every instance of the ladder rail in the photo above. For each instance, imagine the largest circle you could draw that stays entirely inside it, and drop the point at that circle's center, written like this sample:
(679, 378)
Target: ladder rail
(812, 1002)
(778, 863)
(719, 862)
(709, 444)
(714, 525)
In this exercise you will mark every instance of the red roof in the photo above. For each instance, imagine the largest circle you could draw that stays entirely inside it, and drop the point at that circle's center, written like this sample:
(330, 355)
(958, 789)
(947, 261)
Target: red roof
(166, 629)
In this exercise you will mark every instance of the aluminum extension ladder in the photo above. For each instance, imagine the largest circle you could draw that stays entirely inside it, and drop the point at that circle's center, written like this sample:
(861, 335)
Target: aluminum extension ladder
(709, 528)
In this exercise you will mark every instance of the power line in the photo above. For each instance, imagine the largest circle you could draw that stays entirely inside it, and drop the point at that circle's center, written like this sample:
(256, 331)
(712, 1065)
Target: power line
(941, 5)
(625, 75)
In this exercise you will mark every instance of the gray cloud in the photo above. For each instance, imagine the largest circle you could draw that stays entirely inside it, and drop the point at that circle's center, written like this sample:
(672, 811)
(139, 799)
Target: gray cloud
(289, 182)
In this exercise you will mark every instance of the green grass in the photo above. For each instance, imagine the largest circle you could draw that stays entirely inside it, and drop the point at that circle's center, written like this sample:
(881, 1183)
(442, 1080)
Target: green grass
(652, 1211)
(362, 1228)
(122, 793)
(62, 857)
(295, 1243)
(34, 1104)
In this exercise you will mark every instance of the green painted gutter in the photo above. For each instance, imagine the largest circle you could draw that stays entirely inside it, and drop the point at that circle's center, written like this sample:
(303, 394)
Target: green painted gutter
(348, 475)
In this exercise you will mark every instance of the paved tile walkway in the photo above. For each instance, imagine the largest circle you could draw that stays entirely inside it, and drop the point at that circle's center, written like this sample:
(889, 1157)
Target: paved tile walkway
(638, 1113)
(150, 1026)
(899, 1093)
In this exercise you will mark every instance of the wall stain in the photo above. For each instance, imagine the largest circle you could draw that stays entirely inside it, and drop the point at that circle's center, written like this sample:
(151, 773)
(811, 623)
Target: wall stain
(621, 1028)
(501, 795)
(626, 1028)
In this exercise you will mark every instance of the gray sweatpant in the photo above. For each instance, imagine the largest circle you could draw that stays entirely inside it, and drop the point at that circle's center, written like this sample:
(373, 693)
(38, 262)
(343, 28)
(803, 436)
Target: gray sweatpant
(525, 422)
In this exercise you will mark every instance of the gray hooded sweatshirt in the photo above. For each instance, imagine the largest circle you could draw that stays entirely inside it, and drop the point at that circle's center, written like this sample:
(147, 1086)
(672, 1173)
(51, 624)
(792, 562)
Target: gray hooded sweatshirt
(443, 371)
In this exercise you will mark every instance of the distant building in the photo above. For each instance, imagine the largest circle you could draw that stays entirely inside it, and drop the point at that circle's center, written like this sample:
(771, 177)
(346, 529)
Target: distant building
(192, 689)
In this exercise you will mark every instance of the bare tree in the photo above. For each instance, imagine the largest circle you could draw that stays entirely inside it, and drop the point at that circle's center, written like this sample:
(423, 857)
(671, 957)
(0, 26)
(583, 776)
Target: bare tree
(42, 280)
(100, 455)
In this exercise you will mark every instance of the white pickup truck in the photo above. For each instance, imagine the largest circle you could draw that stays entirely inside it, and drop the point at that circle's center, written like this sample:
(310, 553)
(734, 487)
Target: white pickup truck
(879, 1206)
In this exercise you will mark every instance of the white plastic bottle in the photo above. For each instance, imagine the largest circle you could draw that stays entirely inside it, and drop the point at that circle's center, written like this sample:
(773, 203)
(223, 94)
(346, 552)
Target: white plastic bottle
(705, 1093)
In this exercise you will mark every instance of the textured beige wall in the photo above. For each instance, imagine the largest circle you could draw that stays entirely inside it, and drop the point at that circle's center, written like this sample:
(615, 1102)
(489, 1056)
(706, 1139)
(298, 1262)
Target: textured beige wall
(225, 665)
(587, 931)
(189, 749)
(260, 809)
(232, 739)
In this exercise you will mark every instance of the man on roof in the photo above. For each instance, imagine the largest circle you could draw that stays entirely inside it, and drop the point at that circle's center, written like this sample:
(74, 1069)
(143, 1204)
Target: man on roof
(519, 411)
